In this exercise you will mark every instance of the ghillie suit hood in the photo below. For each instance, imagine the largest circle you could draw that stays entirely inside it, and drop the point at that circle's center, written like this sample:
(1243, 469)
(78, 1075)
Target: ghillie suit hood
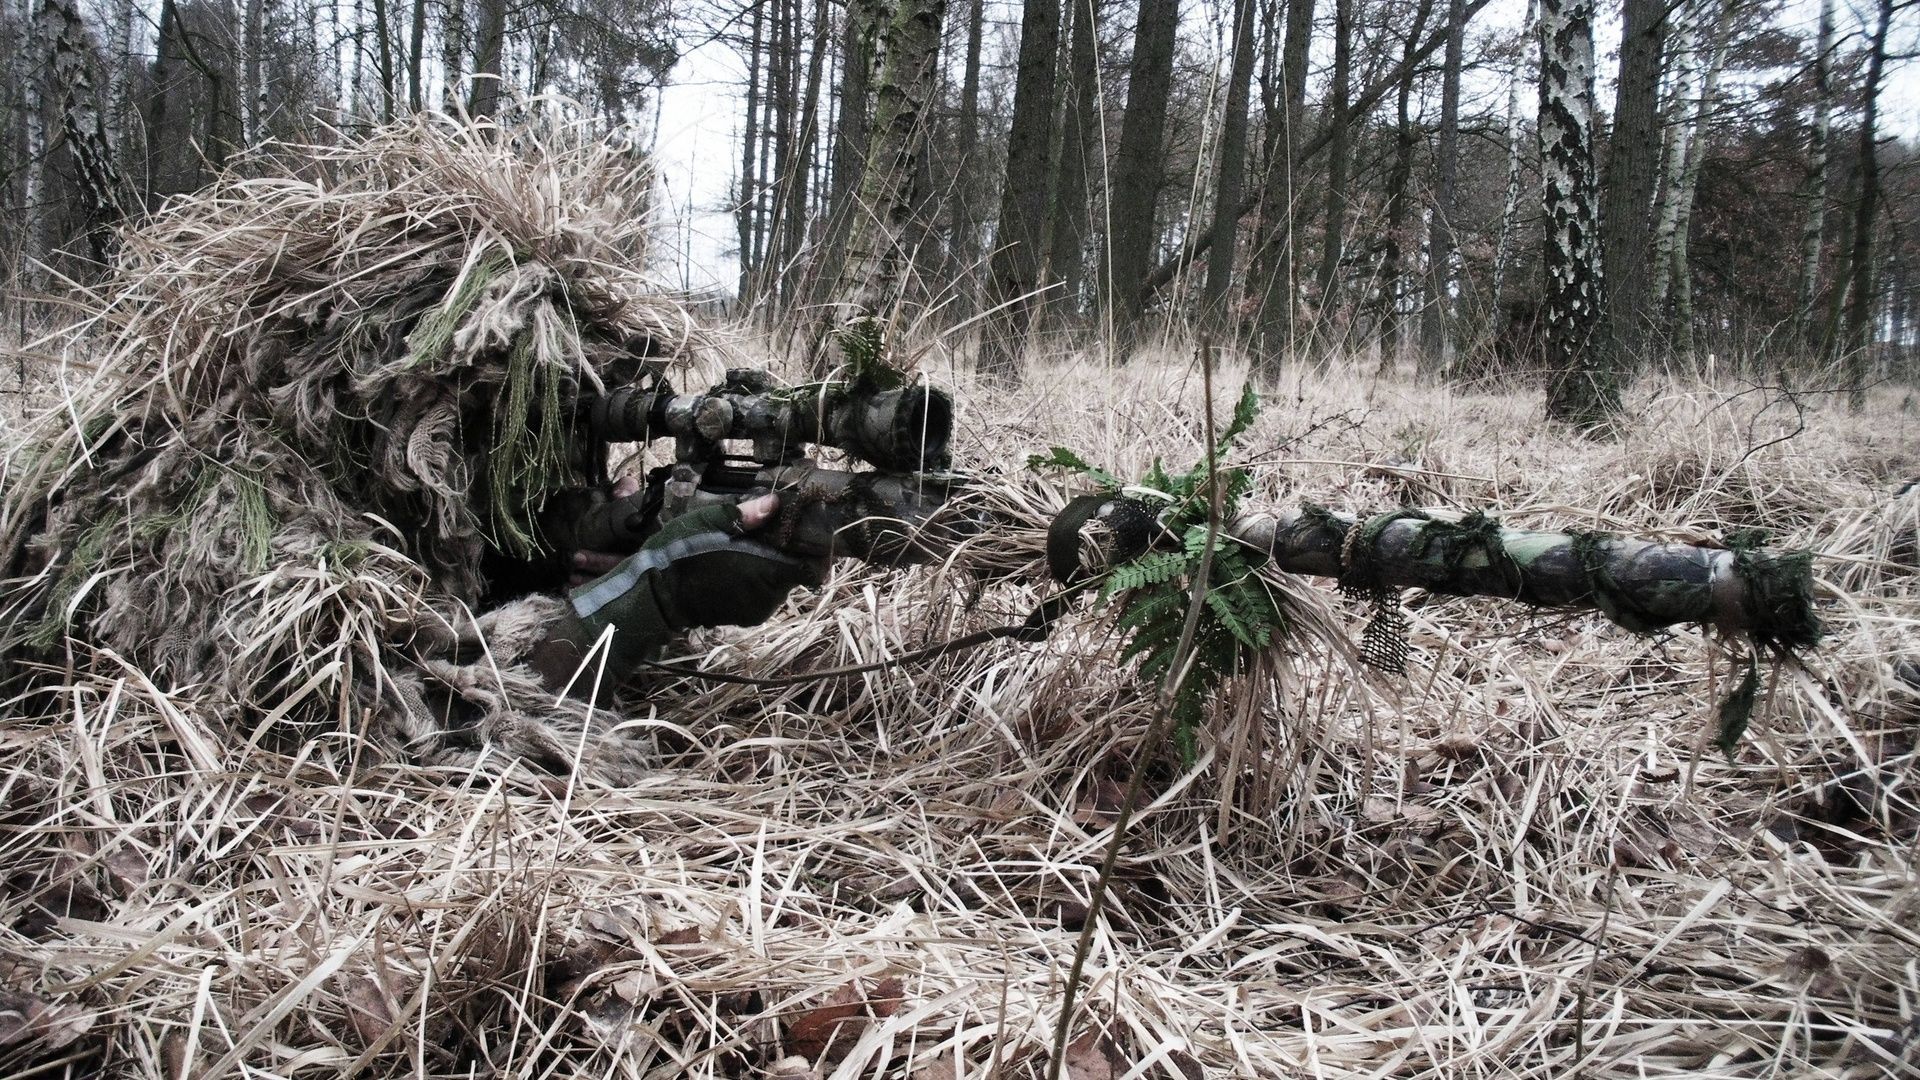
(310, 410)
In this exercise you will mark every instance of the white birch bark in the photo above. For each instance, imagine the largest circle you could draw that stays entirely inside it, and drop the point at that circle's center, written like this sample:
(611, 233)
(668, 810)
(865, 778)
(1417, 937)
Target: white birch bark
(1510, 209)
(1674, 163)
(71, 81)
(1582, 385)
(36, 116)
(1812, 233)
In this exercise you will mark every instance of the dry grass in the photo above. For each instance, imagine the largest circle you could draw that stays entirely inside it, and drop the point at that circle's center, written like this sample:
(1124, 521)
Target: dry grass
(1520, 860)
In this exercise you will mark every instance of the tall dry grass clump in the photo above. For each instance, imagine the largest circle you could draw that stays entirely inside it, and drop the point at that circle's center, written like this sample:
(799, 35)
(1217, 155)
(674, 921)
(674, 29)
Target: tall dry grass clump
(1520, 859)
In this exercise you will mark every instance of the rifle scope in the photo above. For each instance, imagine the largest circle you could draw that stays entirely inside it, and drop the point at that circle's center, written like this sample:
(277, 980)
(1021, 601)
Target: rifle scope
(903, 430)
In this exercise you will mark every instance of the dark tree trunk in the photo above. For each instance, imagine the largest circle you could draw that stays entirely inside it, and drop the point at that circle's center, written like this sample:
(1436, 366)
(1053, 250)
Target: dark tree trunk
(1633, 166)
(797, 182)
(416, 55)
(966, 182)
(1399, 176)
(1019, 247)
(1339, 152)
(1583, 388)
(748, 195)
(1273, 267)
(1233, 165)
(1138, 168)
(1860, 296)
(488, 59)
(1079, 159)
(775, 283)
(383, 59)
(1436, 318)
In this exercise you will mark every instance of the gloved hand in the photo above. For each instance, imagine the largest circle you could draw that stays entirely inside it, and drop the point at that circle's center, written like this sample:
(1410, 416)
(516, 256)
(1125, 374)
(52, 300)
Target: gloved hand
(702, 569)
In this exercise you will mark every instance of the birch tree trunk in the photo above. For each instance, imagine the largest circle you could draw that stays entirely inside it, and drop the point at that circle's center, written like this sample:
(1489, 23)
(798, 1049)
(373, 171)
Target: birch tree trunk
(71, 81)
(877, 257)
(1812, 233)
(861, 45)
(1437, 317)
(1019, 247)
(35, 107)
(1673, 164)
(1510, 208)
(123, 68)
(1583, 387)
(453, 51)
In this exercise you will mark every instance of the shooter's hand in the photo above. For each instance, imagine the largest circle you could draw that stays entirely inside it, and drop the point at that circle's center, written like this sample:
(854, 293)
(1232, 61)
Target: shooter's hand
(705, 568)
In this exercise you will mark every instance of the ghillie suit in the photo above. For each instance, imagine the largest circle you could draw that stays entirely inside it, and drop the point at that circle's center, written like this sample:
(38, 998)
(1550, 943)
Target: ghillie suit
(300, 479)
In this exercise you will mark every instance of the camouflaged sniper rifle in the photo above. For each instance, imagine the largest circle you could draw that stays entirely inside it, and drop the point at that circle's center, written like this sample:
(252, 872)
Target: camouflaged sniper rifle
(747, 436)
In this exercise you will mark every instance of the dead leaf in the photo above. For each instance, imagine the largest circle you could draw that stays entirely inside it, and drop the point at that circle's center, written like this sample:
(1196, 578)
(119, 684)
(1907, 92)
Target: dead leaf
(1099, 806)
(1090, 1057)
(636, 985)
(27, 1020)
(127, 870)
(887, 996)
(686, 935)
(368, 1009)
(936, 1070)
(838, 1019)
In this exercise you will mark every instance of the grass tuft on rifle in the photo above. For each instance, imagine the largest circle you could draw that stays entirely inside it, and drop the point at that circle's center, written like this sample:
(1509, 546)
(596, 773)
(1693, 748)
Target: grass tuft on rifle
(1241, 613)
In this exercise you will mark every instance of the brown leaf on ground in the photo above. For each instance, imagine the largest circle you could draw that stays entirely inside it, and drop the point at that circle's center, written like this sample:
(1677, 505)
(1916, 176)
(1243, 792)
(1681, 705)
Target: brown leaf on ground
(831, 1026)
(686, 935)
(368, 1009)
(1091, 1057)
(836, 1020)
(127, 870)
(887, 996)
(936, 1070)
(26, 1020)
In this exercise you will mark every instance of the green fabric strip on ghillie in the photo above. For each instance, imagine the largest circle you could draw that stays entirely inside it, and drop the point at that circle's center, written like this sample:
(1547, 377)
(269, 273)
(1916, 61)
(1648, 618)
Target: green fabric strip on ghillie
(322, 405)
(1779, 590)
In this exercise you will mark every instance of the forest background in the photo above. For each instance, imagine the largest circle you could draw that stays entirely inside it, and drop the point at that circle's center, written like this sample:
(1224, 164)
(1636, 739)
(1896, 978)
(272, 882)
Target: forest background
(1440, 183)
